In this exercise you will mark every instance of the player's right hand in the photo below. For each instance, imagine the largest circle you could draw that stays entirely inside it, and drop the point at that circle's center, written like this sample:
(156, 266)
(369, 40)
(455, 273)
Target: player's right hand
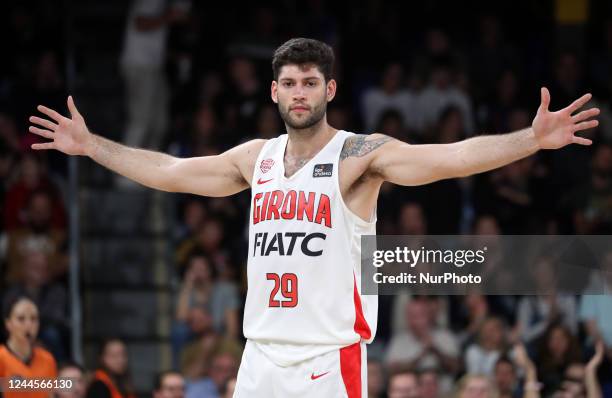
(68, 135)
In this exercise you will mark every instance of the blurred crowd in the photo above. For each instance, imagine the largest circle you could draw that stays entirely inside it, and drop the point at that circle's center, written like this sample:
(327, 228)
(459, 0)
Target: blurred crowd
(196, 83)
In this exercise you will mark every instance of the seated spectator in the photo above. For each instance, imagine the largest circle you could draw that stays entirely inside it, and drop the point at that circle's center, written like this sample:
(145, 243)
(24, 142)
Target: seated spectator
(506, 378)
(37, 234)
(581, 380)
(194, 213)
(223, 368)
(390, 95)
(76, 374)
(429, 383)
(169, 384)
(20, 356)
(208, 238)
(557, 350)
(423, 346)
(50, 298)
(376, 379)
(480, 357)
(201, 290)
(196, 355)
(230, 388)
(111, 379)
(595, 309)
(470, 313)
(537, 313)
(403, 384)
(441, 93)
(475, 386)
(32, 178)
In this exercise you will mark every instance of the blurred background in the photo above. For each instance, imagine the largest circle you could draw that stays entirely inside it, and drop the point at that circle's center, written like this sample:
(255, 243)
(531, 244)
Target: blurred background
(163, 275)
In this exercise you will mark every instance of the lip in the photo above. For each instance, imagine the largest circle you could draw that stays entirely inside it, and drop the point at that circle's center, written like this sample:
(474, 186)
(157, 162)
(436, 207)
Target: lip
(299, 108)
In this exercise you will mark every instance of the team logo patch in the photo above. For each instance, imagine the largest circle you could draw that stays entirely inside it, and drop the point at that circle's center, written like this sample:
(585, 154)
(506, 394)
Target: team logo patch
(323, 170)
(266, 165)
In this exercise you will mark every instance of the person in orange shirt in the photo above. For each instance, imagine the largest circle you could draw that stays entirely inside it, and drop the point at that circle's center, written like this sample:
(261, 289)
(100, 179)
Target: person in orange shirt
(20, 357)
(111, 379)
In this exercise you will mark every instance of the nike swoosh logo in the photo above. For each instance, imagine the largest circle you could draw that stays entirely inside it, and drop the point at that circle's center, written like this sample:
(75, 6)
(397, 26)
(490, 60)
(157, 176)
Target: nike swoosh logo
(314, 377)
(260, 181)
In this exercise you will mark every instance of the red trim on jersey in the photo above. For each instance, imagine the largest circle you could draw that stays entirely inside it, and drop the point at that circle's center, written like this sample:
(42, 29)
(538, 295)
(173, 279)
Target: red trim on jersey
(350, 368)
(361, 325)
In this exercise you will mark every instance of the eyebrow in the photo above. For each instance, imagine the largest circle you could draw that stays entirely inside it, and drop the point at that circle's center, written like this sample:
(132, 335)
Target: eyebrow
(304, 78)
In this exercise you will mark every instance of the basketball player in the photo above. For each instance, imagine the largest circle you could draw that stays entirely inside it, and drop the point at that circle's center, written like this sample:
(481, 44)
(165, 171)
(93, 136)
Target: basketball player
(314, 193)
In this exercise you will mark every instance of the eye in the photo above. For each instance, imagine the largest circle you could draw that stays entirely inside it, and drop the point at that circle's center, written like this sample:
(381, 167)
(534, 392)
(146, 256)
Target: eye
(311, 83)
(288, 84)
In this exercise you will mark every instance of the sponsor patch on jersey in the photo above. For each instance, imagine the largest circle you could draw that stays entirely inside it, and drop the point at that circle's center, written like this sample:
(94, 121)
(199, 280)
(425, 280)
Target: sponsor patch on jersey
(266, 165)
(323, 170)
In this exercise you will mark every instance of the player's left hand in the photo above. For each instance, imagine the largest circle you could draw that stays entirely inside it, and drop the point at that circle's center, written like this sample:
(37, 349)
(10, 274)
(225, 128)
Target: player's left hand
(555, 130)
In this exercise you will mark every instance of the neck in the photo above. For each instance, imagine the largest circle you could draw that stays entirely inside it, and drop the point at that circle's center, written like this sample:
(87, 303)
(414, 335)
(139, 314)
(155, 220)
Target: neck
(23, 349)
(307, 142)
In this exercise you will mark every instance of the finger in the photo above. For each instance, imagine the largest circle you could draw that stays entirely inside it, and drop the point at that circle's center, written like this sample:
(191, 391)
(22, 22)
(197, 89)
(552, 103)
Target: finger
(578, 103)
(544, 99)
(581, 140)
(44, 145)
(585, 115)
(43, 123)
(586, 125)
(51, 113)
(72, 108)
(43, 133)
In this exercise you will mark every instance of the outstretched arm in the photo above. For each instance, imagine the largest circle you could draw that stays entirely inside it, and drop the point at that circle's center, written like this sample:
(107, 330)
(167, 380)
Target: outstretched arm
(405, 164)
(219, 175)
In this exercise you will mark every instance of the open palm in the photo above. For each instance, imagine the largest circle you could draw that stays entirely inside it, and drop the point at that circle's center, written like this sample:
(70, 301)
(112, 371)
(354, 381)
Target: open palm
(555, 130)
(68, 135)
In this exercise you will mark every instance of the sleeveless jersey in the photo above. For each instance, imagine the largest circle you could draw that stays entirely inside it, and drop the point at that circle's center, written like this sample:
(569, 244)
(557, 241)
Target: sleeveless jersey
(304, 276)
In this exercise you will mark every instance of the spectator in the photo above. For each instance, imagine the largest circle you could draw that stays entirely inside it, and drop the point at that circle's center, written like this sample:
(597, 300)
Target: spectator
(390, 95)
(31, 177)
(76, 374)
(480, 357)
(201, 290)
(111, 379)
(593, 207)
(142, 63)
(429, 384)
(537, 313)
(209, 239)
(194, 213)
(223, 368)
(403, 384)
(230, 388)
(581, 380)
(37, 235)
(442, 93)
(376, 379)
(506, 378)
(20, 357)
(50, 298)
(169, 384)
(558, 349)
(475, 386)
(422, 345)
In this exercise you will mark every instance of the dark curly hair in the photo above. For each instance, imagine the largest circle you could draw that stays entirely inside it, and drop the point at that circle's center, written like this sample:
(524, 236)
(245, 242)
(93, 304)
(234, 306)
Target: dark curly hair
(301, 51)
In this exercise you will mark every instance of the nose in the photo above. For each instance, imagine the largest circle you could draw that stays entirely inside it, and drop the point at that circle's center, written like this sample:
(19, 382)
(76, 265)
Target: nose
(298, 92)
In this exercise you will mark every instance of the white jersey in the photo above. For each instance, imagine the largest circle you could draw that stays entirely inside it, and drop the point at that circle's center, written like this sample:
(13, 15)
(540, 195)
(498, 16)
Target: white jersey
(304, 273)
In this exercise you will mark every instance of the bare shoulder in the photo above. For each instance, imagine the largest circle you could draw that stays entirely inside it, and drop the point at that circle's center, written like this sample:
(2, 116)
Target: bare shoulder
(360, 145)
(245, 155)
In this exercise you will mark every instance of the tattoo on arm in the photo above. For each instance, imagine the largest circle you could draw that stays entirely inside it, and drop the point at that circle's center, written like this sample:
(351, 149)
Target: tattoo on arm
(357, 145)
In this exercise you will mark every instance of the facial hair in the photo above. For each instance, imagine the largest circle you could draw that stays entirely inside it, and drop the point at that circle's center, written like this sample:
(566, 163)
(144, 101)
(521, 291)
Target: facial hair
(317, 113)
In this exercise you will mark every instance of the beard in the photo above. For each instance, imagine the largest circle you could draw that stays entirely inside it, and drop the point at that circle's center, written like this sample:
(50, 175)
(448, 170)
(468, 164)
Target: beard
(316, 113)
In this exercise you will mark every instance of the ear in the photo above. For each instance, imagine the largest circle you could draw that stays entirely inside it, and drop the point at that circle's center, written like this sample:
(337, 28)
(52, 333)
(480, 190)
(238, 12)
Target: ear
(274, 91)
(331, 90)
